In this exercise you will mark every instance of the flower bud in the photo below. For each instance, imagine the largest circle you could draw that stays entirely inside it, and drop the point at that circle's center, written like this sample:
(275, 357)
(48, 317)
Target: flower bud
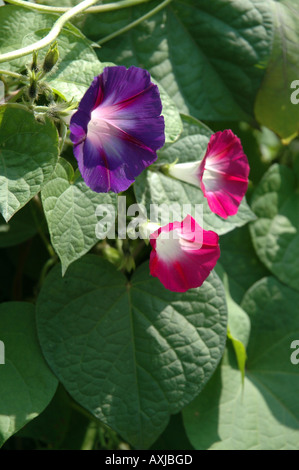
(128, 263)
(34, 65)
(32, 89)
(51, 58)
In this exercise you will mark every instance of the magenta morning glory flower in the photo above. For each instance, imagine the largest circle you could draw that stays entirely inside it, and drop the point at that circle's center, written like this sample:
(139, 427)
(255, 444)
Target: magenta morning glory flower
(185, 259)
(222, 174)
(117, 128)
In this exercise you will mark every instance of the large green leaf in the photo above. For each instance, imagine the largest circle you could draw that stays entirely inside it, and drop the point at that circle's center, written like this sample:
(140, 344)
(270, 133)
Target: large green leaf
(238, 330)
(77, 64)
(132, 352)
(275, 232)
(28, 155)
(172, 118)
(274, 107)
(70, 209)
(57, 424)
(26, 383)
(264, 414)
(210, 56)
(153, 187)
(240, 262)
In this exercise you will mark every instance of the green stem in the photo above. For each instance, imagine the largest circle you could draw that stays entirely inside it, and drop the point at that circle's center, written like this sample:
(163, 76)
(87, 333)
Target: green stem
(51, 36)
(45, 271)
(134, 23)
(84, 412)
(19, 106)
(95, 9)
(63, 132)
(12, 74)
(46, 243)
(41, 109)
(39, 227)
(90, 437)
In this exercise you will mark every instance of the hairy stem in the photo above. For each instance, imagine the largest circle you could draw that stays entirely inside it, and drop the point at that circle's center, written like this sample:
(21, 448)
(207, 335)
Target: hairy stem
(95, 9)
(12, 74)
(57, 27)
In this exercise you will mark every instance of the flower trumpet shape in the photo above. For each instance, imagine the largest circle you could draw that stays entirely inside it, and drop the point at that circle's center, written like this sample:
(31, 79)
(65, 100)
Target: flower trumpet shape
(222, 174)
(183, 254)
(117, 128)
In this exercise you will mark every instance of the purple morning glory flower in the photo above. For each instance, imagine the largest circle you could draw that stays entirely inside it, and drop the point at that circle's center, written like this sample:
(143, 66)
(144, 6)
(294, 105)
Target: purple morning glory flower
(117, 128)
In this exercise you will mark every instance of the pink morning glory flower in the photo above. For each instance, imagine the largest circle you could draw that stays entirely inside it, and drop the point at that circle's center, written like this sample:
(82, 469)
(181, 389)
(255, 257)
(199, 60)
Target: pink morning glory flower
(117, 128)
(222, 174)
(183, 254)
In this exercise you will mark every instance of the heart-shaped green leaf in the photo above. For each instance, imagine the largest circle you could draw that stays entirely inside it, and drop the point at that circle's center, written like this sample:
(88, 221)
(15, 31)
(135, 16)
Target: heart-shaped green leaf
(275, 107)
(27, 385)
(70, 209)
(210, 56)
(132, 352)
(262, 414)
(28, 155)
(275, 232)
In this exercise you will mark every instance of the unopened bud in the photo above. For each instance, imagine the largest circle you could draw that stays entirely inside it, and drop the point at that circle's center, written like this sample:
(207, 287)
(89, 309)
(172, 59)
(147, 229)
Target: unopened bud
(34, 66)
(32, 90)
(51, 58)
(112, 255)
(128, 263)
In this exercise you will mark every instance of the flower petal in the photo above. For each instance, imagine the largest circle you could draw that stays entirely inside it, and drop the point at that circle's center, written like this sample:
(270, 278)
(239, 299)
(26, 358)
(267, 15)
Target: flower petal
(117, 128)
(149, 131)
(81, 118)
(224, 173)
(119, 85)
(181, 262)
(112, 159)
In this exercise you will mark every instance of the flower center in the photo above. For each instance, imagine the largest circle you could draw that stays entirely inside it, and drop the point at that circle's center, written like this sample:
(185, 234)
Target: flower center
(168, 248)
(211, 179)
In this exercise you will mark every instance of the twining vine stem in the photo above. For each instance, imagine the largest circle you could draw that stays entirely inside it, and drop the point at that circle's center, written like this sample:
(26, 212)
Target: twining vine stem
(57, 27)
(95, 9)
(85, 6)
(134, 23)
